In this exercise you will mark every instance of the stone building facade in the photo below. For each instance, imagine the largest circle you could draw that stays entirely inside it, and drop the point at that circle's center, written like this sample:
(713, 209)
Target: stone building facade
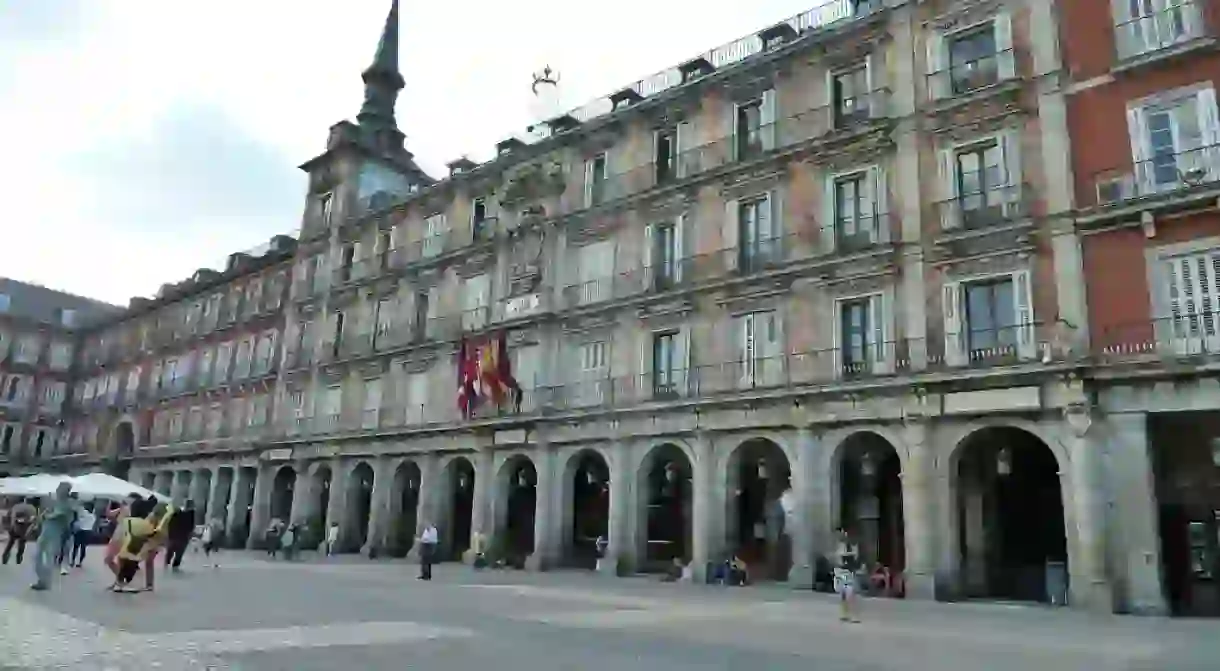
(827, 276)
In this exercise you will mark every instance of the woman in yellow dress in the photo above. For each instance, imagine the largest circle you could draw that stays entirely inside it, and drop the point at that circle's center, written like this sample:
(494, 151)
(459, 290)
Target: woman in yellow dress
(137, 533)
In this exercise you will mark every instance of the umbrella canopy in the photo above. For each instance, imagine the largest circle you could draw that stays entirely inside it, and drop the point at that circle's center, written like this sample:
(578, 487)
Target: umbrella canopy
(42, 484)
(102, 485)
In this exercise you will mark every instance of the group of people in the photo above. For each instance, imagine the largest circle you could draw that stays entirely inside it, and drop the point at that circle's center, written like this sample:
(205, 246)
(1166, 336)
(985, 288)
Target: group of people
(62, 528)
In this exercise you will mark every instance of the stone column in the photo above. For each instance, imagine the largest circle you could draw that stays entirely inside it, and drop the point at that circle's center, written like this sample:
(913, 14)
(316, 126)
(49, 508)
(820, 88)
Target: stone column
(482, 518)
(336, 506)
(379, 508)
(178, 487)
(1089, 586)
(218, 498)
(918, 509)
(163, 482)
(200, 492)
(431, 487)
(239, 499)
(545, 545)
(1135, 525)
(302, 493)
(620, 553)
(799, 522)
(260, 517)
(704, 536)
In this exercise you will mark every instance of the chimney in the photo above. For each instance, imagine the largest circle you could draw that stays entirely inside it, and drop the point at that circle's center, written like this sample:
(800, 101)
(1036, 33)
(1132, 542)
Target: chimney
(165, 290)
(283, 244)
(505, 146)
(236, 260)
(137, 302)
(205, 275)
(461, 165)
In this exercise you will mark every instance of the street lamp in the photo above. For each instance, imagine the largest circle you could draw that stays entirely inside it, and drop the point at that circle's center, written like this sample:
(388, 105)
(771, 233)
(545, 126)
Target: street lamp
(762, 469)
(868, 466)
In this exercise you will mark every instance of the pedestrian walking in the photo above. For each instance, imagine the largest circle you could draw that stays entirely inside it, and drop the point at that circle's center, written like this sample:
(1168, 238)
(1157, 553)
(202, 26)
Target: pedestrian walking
(179, 529)
(85, 523)
(159, 519)
(54, 522)
(18, 523)
(136, 534)
(848, 563)
(117, 515)
(65, 544)
(332, 538)
(213, 532)
(427, 550)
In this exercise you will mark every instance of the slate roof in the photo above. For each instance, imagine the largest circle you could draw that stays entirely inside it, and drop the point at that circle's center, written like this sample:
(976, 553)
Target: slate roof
(39, 304)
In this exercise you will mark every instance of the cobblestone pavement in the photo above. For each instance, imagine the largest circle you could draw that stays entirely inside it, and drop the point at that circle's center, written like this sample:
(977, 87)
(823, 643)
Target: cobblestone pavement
(256, 615)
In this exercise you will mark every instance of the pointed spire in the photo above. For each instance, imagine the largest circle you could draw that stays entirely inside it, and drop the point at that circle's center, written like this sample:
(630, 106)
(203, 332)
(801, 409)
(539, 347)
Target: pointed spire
(382, 82)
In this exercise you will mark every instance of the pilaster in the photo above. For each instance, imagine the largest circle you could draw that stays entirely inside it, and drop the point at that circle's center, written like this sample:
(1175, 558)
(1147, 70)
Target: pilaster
(481, 520)
(799, 514)
(1137, 546)
(918, 501)
(545, 543)
(217, 497)
(1087, 569)
(620, 553)
(703, 531)
(379, 508)
(303, 494)
(261, 512)
(336, 505)
(430, 486)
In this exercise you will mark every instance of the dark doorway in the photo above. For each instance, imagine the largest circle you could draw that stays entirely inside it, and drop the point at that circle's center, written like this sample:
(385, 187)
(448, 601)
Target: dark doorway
(359, 504)
(590, 508)
(758, 476)
(666, 488)
(461, 488)
(870, 501)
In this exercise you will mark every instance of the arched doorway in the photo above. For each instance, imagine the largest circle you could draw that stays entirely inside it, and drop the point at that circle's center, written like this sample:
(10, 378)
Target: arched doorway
(869, 499)
(758, 475)
(124, 440)
(666, 495)
(405, 504)
(518, 486)
(247, 477)
(587, 479)
(1009, 511)
(281, 493)
(203, 495)
(460, 478)
(359, 505)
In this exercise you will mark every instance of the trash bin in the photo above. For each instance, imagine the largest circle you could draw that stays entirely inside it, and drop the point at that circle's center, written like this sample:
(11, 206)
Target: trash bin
(1056, 583)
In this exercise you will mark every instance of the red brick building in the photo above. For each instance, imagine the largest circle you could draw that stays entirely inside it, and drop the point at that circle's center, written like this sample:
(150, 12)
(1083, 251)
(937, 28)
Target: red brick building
(1145, 147)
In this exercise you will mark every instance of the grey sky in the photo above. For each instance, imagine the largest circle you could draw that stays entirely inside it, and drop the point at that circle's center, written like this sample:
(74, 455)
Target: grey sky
(155, 137)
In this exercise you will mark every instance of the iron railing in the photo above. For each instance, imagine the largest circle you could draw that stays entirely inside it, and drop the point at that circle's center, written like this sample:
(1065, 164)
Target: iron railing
(1166, 172)
(968, 75)
(984, 207)
(1159, 29)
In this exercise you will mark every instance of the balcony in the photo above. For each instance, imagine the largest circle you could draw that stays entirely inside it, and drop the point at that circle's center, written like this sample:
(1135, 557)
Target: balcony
(983, 207)
(1169, 175)
(965, 76)
(1159, 32)
(1190, 336)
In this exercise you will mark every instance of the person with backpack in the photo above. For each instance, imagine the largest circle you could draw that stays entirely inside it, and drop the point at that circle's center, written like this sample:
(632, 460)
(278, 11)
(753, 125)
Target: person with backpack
(54, 525)
(18, 523)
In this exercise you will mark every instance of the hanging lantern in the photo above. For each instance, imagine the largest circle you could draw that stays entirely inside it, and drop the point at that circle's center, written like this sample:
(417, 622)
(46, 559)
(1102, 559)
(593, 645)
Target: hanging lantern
(671, 473)
(412, 485)
(522, 480)
(590, 479)
(762, 469)
(462, 481)
(1003, 461)
(868, 466)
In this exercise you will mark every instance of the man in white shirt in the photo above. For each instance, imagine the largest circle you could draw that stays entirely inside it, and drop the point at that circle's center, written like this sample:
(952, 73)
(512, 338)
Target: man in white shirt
(427, 550)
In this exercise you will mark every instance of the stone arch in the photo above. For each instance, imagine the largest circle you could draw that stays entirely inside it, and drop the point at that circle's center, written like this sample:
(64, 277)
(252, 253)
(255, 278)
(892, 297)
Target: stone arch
(865, 477)
(1008, 515)
(755, 475)
(585, 512)
(665, 504)
(125, 440)
(358, 505)
(457, 507)
(283, 487)
(404, 506)
(514, 508)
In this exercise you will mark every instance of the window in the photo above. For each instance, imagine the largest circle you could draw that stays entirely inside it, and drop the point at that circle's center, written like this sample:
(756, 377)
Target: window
(436, 228)
(371, 416)
(332, 406)
(989, 318)
(8, 438)
(417, 397)
(237, 414)
(387, 310)
(423, 310)
(665, 162)
(855, 210)
(596, 272)
(5, 302)
(215, 420)
(175, 426)
(663, 253)
(593, 358)
(850, 91)
(194, 423)
(28, 347)
(241, 369)
(319, 273)
(596, 177)
(760, 353)
(224, 355)
(254, 293)
(262, 355)
(665, 363)
(1189, 301)
(325, 208)
(757, 241)
(259, 408)
(1145, 26)
(1175, 141)
(61, 356)
(979, 180)
(747, 129)
(862, 336)
(971, 59)
(53, 394)
(476, 295)
(478, 219)
(206, 374)
(336, 334)
(133, 383)
(67, 317)
(346, 259)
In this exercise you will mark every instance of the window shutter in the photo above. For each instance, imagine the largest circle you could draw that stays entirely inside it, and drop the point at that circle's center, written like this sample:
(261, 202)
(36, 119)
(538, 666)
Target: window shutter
(685, 377)
(767, 119)
(950, 216)
(746, 353)
(1209, 124)
(1022, 301)
(589, 182)
(881, 346)
(870, 84)
(730, 233)
(771, 233)
(731, 133)
(830, 223)
(646, 379)
(679, 246)
(1141, 150)
(772, 354)
(878, 176)
(1006, 57)
(955, 339)
(685, 138)
(1010, 149)
(648, 271)
(938, 65)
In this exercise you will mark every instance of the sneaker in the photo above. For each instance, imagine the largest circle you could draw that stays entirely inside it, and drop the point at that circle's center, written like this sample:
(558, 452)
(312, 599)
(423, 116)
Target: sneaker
(63, 570)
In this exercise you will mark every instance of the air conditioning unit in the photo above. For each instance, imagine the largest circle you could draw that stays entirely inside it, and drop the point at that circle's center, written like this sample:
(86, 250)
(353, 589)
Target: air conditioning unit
(1113, 191)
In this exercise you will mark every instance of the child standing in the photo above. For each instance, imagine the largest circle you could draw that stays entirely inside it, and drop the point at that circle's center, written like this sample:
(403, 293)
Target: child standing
(332, 538)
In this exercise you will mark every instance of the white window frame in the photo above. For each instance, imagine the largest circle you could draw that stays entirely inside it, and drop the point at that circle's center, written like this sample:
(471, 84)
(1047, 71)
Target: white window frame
(759, 355)
(875, 177)
(595, 271)
(1009, 143)
(1182, 335)
(1151, 30)
(953, 301)
(939, 54)
(879, 340)
(476, 297)
(436, 228)
(1206, 157)
(592, 178)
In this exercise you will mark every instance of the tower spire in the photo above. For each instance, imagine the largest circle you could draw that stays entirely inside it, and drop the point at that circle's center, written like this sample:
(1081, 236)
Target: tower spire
(382, 82)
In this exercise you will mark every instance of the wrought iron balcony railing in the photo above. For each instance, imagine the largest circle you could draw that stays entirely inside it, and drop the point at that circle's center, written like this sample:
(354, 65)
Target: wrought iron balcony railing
(963, 76)
(1167, 172)
(1154, 30)
(984, 207)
